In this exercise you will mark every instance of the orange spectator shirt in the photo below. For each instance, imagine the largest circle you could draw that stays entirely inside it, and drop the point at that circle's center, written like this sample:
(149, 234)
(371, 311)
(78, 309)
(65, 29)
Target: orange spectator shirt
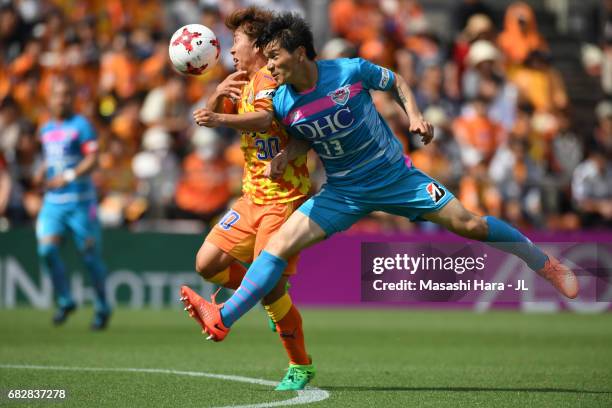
(204, 187)
(480, 133)
(260, 147)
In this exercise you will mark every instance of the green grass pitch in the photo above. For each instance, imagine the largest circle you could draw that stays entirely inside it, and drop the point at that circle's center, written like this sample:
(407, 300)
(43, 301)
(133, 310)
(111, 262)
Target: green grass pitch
(365, 358)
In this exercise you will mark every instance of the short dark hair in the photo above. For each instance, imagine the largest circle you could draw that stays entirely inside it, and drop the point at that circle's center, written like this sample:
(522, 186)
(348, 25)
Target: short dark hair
(291, 31)
(252, 20)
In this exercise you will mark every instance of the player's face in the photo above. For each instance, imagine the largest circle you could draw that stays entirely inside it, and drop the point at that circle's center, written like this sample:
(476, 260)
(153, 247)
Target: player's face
(281, 63)
(243, 51)
(60, 101)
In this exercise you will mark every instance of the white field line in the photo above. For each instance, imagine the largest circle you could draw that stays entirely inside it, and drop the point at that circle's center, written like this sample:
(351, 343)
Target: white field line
(307, 396)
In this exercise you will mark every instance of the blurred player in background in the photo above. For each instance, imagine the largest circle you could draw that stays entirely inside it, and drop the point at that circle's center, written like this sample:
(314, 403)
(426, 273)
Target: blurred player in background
(243, 101)
(70, 151)
(328, 104)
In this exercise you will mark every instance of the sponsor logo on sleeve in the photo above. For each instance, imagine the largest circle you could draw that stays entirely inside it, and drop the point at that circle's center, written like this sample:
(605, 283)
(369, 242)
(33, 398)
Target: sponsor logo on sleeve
(384, 79)
(265, 94)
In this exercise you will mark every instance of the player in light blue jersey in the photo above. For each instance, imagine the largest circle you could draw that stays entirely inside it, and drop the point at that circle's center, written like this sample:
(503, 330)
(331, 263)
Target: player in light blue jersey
(70, 153)
(326, 105)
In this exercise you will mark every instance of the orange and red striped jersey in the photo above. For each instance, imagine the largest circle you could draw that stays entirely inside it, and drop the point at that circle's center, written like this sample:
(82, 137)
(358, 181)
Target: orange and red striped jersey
(260, 147)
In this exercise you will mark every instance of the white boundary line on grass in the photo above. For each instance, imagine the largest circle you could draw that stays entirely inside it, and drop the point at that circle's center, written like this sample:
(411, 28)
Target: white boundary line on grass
(307, 396)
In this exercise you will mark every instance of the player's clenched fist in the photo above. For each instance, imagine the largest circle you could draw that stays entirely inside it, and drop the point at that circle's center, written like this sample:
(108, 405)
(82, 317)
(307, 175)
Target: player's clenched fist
(422, 127)
(232, 85)
(206, 117)
(277, 165)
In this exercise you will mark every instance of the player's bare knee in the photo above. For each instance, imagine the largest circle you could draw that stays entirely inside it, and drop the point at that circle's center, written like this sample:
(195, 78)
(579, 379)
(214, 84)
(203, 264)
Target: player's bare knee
(47, 245)
(204, 267)
(279, 244)
(50, 240)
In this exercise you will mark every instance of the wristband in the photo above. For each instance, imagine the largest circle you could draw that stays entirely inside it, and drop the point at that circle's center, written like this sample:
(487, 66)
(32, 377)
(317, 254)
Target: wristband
(69, 175)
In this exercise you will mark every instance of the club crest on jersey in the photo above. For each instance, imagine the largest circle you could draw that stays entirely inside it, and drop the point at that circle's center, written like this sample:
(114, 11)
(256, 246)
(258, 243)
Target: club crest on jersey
(435, 192)
(340, 95)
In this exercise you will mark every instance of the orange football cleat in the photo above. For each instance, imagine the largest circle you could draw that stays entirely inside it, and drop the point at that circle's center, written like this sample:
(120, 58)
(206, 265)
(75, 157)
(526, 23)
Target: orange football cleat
(207, 314)
(560, 276)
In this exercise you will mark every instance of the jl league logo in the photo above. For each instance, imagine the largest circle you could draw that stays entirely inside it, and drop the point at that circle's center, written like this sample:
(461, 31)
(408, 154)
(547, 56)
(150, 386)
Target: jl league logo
(340, 95)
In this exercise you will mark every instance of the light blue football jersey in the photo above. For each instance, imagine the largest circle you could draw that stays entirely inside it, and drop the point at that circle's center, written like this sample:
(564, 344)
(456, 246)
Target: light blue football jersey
(338, 117)
(65, 143)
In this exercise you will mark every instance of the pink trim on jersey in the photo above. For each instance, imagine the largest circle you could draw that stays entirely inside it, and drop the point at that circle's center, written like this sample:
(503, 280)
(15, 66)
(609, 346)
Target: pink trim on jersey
(408, 161)
(53, 135)
(57, 135)
(318, 105)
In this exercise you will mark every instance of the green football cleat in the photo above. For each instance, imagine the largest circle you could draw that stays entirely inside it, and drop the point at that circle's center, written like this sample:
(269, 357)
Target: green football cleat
(297, 377)
(271, 324)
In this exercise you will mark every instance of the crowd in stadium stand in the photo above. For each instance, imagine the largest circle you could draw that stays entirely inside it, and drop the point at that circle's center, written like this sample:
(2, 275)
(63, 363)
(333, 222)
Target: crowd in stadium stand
(504, 144)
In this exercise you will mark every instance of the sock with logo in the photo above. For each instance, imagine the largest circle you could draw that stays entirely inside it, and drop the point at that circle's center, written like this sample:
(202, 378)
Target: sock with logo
(289, 327)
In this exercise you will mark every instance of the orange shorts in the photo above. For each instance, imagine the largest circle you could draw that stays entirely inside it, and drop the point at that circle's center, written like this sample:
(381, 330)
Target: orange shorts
(246, 229)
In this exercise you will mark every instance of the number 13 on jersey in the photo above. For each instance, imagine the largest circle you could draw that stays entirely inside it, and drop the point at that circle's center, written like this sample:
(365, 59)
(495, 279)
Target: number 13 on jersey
(332, 148)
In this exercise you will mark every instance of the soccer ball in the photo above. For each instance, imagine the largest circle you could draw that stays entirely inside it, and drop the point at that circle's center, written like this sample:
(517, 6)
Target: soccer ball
(194, 49)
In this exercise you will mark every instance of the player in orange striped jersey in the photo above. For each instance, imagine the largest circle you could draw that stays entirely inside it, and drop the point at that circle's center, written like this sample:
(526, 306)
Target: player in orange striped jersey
(243, 101)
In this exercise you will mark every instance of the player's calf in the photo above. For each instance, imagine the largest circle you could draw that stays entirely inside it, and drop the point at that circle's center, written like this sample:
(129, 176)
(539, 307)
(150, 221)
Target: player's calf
(48, 252)
(211, 260)
(457, 219)
(505, 237)
(205, 267)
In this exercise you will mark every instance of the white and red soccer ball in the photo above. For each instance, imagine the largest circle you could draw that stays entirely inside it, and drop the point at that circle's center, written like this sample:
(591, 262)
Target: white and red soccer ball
(194, 49)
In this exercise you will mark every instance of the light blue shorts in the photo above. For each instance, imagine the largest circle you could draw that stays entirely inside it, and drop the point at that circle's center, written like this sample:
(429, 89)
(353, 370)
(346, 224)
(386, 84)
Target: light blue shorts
(413, 194)
(81, 219)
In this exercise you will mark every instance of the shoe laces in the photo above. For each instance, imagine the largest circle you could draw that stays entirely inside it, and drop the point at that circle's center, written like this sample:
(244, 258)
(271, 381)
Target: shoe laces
(296, 374)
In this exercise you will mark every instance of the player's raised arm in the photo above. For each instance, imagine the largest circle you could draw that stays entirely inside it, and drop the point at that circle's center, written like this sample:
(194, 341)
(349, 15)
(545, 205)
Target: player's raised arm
(255, 113)
(227, 91)
(257, 121)
(403, 95)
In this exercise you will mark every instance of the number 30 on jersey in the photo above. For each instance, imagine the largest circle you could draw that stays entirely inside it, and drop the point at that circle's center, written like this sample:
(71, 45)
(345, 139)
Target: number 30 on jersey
(267, 148)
